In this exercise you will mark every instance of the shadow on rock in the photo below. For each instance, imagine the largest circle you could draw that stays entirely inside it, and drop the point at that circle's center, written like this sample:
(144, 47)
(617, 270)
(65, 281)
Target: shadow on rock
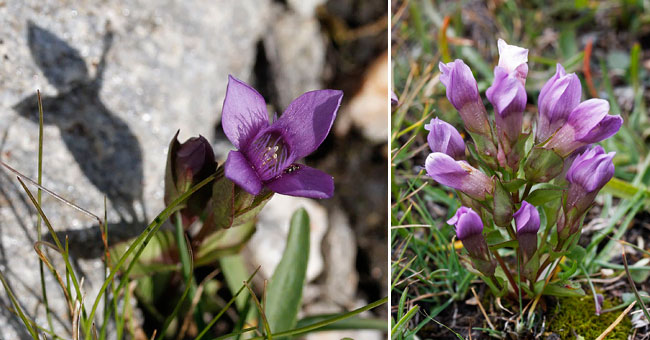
(106, 150)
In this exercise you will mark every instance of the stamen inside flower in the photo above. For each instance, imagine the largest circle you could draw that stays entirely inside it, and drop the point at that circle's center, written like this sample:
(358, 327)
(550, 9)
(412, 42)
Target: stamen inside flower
(269, 154)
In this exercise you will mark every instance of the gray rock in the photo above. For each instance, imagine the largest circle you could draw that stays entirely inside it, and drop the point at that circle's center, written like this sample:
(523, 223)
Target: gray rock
(117, 79)
(268, 243)
(295, 49)
(341, 277)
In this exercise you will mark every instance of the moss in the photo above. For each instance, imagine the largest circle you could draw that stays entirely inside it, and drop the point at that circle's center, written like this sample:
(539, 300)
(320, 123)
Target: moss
(579, 315)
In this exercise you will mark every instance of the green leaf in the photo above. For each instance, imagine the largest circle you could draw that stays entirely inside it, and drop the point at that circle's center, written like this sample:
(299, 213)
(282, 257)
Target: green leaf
(541, 196)
(514, 184)
(234, 269)
(284, 292)
(566, 288)
(503, 208)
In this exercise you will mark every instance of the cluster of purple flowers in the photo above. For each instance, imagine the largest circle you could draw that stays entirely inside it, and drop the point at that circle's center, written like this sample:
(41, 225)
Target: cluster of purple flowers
(562, 152)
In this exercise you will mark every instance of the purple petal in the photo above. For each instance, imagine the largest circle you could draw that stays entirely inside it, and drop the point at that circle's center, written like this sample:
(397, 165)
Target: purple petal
(560, 95)
(445, 170)
(607, 127)
(460, 83)
(238, 170)
(244, 113)
(304, 182)
(468, 223)
(513, 59)
(393, 98)
(592, 169)
(507, 94)
(308, 119)
(527, 218)
(443, 137)
(584, 117)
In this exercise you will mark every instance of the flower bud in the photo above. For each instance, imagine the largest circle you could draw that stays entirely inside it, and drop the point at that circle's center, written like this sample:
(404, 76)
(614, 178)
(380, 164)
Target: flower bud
(527, 223)
(559, 96)
(463, 94)
(514, 60)
(459, 175)
(188, 164)
(587, 123)
(589, 172)
(469, 229)
(443, 137)
(508, 96)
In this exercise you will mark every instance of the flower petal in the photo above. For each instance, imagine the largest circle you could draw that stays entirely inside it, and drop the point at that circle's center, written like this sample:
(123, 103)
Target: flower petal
(244, 113)
(308, 119)
(238, 170)
(304, 182)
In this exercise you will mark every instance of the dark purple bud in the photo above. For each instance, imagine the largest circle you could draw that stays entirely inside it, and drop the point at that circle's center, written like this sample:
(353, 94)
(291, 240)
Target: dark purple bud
(527, 223)
(459, 175)
(463, 94)
(469, 229)
(443, 137)
(267, 151)
(508, 96)
(188, 164)
(195, 158)
(514, 60)
(587, 123)
(559, 96)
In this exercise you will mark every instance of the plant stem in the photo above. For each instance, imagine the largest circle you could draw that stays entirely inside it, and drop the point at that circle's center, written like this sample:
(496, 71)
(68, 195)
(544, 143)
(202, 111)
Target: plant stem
(506, 271)
(186, 263)
(529, 186)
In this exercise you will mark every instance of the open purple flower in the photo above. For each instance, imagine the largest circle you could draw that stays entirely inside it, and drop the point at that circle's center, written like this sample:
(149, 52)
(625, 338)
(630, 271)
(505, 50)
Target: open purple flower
(589, 122)
(469, 229)
(459, 175)
(462, 92)
(527, 222)
(267, 151)
(514, 60)
(443, 137)
(558, 97)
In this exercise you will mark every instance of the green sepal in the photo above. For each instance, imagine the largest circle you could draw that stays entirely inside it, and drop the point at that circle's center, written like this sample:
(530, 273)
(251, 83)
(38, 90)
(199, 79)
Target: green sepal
(502, 205)
(543, 165)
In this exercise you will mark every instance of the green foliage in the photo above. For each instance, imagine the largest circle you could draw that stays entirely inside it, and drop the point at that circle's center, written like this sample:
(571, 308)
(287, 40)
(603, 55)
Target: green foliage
(285, 286)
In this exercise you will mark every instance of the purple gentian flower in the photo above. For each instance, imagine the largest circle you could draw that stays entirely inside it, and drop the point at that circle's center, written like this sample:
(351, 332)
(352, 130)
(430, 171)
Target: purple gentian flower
(459, 175)
(589, 172)
(469, 229)
(267, 151)
(508, 96)
(527, 222)
(462, 92)
(559, 96)
(514, 60)
(443, 137)
(587, 123)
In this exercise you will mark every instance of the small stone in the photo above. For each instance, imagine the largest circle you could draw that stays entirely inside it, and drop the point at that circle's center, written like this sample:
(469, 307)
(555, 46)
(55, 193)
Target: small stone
(268, 243)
